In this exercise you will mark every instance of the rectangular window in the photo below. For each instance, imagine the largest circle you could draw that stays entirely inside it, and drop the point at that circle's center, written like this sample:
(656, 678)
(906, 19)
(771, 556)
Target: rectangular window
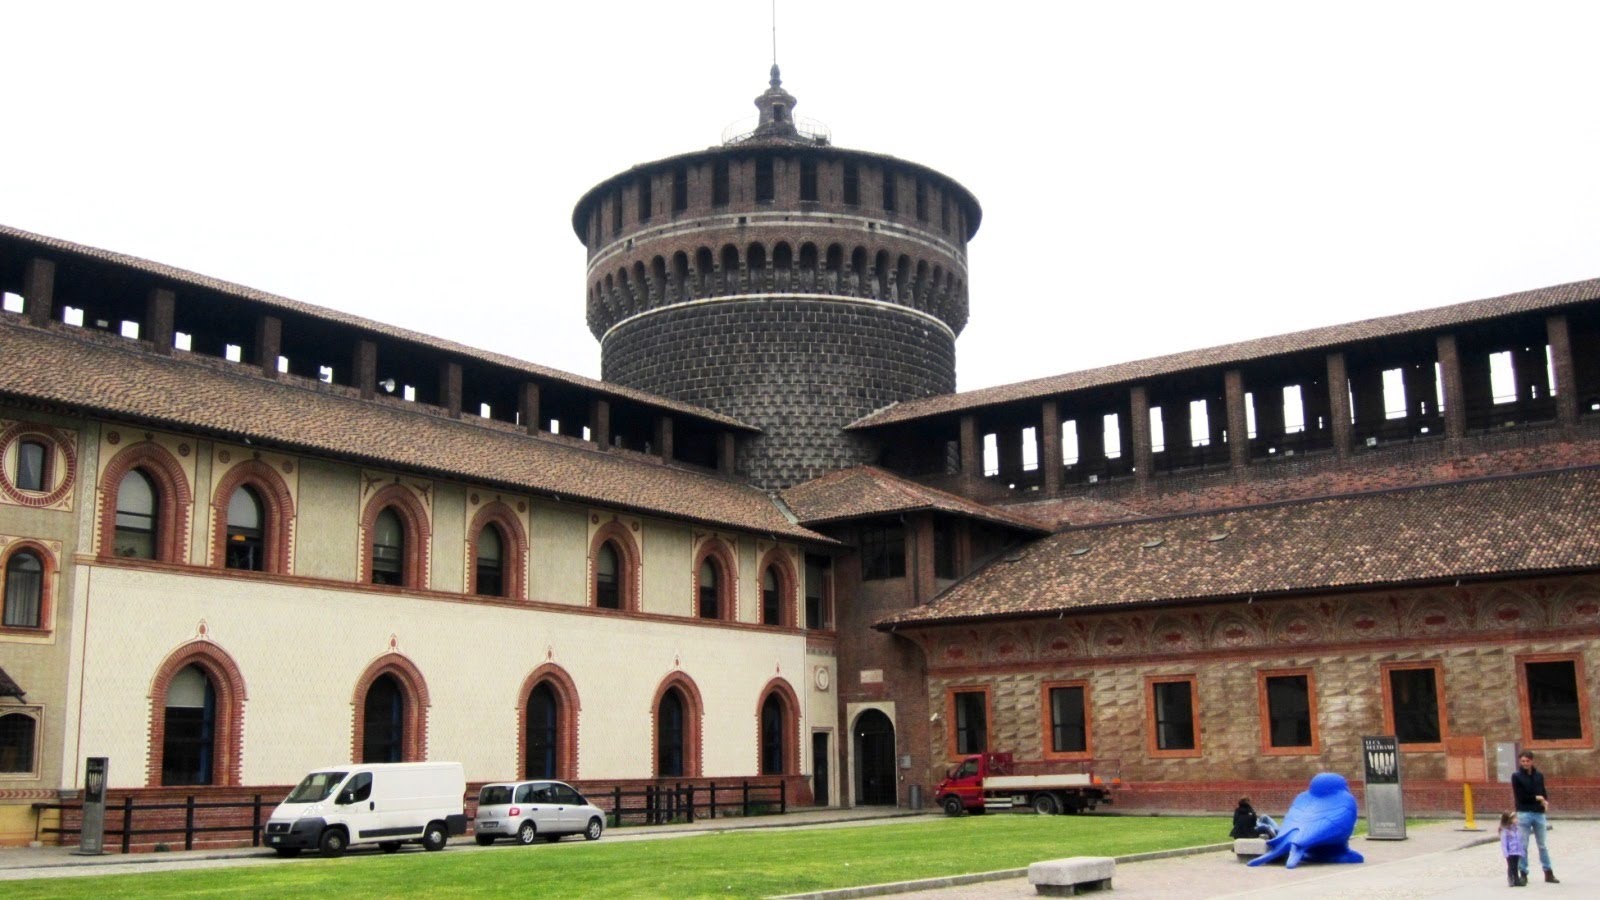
(969, 717)
(1288, 712)
(808, 180)
(1554, 706)
(719, 183)
(817, 569)
(889, 197)
(852, 184)
(944, 548)
(680, 190)
(1067, 719)
(1173, 723)
(616, 212)
(1414, 694)
(922, 201)
(644, 200)
(765, 187)
(883, 552)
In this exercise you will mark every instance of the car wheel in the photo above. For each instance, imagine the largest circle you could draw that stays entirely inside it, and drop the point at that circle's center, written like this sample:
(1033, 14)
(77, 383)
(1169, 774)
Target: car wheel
(592, 833)
(435, 837)
(1045, 804)
(333, 842)
(483, 840)
(952, 806)
(389, 846)
(527, 833)
(287, 852)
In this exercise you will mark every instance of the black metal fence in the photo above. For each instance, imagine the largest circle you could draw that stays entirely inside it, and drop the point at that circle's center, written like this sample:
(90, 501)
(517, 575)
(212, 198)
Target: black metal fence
(659, 805)
(167, 824)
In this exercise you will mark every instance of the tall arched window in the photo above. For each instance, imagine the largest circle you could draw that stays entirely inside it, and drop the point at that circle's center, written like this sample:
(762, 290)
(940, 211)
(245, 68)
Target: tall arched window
(388, 549)
(246, 546)
(135, 535)
(188, 747)
(710, 584)
(543, 738)
(771, 597)
(670, 716)
(19, 733)
(24, 598)
(772, 735)
(383, 722)
(607, 577)
(490, 580)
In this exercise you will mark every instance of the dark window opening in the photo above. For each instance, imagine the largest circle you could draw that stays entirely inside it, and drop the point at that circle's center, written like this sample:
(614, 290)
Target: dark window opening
(765, 182)
(383, 731)
(187, 747)
(245, 548)
(710, 589)
(945, 539)
(135, 536)
(644, 200)
(607, 586)
(889, 198)
(24, 599)
(1174, 715)
(388, 549)
(669, 735)
(771, 599)
(719, 183)
(772, 736)
(490, 576)
(680, 190)
(542, 741)
(33, 459)
(922, 201)
(808, 180)
(1414, 701)
(816, 592)
(883, 552)
(1069, 726)
(852, 184)
(972, 729)
(1288, 711)
(1554, 712)
(18, 734)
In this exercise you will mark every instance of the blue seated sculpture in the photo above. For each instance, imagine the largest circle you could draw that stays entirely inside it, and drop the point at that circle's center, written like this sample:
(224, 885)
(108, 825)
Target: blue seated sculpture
(1318, 826)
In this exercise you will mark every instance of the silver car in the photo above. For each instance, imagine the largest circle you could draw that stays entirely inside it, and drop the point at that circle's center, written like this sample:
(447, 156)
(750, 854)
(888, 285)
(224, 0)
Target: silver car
(529, 810)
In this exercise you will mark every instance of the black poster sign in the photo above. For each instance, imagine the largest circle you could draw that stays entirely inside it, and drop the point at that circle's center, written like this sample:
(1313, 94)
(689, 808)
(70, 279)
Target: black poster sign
(1382, 757)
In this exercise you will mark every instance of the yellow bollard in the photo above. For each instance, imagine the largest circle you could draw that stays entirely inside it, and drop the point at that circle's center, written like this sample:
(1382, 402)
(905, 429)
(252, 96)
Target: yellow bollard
(1466, 801)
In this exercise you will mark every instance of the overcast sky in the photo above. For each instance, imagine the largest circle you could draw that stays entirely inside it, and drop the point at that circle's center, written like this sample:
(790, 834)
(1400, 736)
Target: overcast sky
(1154, 176)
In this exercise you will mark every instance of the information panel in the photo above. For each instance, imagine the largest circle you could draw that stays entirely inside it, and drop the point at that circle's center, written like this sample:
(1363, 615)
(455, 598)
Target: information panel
(91, 839)
(1386, 808)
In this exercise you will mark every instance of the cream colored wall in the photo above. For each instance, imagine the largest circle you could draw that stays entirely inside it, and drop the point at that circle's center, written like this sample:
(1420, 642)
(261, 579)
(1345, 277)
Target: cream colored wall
(668, 586)
(302, 650)
(449, 570)
(559, 544)
(327, 509)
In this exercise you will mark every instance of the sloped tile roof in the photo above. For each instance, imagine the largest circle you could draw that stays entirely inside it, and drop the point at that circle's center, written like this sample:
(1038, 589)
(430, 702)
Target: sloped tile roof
(194, 279)
(1506, 526)
(90, 372)
(1325, 338)
(864, 491)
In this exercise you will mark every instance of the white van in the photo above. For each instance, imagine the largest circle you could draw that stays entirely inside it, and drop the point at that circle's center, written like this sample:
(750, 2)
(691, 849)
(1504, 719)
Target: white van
(387, 804)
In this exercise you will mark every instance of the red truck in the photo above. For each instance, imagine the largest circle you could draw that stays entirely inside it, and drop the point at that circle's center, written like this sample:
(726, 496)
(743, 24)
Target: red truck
(991, 781)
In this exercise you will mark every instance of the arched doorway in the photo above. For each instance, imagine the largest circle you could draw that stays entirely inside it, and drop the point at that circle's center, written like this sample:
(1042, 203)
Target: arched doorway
(874, 751)
(544, 733)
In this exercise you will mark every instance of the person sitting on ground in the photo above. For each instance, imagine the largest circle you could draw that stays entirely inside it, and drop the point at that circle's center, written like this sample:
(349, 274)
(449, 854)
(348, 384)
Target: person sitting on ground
(1244, 820)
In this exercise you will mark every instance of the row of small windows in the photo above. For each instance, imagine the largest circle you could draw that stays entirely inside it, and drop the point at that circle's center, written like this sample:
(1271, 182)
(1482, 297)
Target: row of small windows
(879, 276)
(1554, 711)
(927, 201)
(394, 558)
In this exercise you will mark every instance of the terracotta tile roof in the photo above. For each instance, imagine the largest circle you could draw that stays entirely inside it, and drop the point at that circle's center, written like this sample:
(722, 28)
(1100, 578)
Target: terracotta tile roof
(185, 277)
(1325, 338)
(1505, 526)
(90, 372)
(865, 491)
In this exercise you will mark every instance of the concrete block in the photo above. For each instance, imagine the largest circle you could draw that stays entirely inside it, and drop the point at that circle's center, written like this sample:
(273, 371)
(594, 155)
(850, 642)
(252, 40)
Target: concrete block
(1066, 877)
(1249, 848)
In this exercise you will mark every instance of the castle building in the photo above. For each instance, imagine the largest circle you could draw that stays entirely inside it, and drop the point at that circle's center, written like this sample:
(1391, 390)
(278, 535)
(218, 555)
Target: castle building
(243, 536)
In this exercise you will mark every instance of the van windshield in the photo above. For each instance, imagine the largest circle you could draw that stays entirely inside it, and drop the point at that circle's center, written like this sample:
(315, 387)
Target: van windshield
(316, 787)
(495, 795)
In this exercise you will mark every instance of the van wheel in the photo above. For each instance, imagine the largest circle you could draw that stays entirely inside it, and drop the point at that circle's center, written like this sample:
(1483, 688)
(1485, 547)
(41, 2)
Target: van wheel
(390, 846)
(483, 840)
(333, 842)
(1046, 805)
(287, 852)
(435, 837)
(952, 806)
(592, 833)
(527, 833)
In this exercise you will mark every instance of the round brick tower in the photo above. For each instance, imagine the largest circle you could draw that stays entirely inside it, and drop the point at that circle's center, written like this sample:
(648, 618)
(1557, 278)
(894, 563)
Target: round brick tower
(780, 280)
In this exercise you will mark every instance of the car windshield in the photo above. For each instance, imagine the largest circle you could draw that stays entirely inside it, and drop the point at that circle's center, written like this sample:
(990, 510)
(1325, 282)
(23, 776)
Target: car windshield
(495, 795)
(316, 787)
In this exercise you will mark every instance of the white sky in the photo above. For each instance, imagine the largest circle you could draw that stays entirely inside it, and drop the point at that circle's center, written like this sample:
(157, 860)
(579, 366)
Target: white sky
(1155, 176)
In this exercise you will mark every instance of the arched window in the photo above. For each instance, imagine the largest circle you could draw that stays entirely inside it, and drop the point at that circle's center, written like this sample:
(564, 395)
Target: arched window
(771, 597)
(710, 585)
(491, 564)
(772, 736)
(24, 598)
(607, 577)
(246, 546)
(670, 716)
(33, 466)
(19, 734)
(137, 521)
(388, 549)
(383, 731)
(188, 748)
(543, 737)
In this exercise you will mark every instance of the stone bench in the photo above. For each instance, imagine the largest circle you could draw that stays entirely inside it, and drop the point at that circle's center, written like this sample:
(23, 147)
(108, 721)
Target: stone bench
(1249, 848)
(1065, 877)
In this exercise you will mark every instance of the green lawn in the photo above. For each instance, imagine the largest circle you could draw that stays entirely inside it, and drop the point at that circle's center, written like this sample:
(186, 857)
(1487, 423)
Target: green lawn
(733, 864)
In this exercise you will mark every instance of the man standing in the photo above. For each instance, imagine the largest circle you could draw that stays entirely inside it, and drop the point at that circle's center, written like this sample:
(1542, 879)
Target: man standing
(1527, 788)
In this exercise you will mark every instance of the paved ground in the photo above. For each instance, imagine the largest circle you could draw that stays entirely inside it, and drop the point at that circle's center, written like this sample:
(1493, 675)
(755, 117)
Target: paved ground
(1436, 861)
